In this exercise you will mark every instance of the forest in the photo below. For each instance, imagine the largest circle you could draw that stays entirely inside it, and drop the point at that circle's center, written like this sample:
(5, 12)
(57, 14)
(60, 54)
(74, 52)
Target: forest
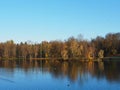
(72, 48)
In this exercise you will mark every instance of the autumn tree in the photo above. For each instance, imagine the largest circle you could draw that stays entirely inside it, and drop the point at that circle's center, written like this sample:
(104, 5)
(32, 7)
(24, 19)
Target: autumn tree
(55, 50)
(64, 52)
(101, 54)
(1, 50)
(35, 50)
(72, 47)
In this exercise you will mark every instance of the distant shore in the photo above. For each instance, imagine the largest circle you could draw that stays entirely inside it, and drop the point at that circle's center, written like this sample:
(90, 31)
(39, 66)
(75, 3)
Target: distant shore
(70, 59)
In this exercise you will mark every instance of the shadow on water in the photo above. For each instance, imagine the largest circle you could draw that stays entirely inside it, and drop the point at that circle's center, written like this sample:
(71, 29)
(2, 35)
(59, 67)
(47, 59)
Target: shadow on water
(74, 70)
(6, 80)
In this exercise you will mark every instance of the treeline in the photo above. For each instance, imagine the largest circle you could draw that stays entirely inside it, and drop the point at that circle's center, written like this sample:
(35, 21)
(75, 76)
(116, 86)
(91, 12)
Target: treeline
(73, 48)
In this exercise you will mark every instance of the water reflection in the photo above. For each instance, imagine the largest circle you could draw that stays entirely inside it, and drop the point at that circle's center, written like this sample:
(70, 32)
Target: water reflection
(73, 70)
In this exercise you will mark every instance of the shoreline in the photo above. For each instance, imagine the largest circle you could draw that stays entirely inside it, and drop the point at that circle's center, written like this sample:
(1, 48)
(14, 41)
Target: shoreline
(70, 59)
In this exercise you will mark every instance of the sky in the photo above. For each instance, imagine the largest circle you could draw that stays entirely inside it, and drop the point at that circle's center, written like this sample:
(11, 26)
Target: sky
(39, 20)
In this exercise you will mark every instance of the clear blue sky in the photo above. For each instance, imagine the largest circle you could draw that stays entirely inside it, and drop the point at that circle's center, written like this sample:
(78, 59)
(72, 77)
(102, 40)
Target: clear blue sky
(39, 20)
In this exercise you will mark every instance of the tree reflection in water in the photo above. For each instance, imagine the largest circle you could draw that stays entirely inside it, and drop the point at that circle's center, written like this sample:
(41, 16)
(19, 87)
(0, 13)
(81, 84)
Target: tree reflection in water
(74, 70)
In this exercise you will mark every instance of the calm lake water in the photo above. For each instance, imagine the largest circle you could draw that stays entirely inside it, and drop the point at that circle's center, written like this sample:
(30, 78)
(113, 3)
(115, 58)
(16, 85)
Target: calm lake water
(56, 75)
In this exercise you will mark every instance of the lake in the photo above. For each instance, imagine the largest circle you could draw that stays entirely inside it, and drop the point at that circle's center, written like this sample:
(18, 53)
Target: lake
(59, 75)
